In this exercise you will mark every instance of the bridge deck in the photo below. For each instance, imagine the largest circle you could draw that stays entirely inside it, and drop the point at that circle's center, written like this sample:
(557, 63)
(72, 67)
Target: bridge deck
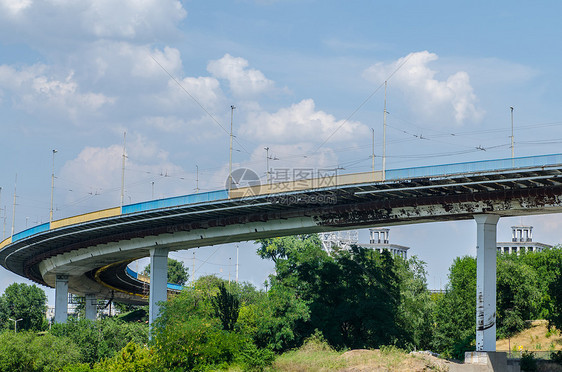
(81, 246)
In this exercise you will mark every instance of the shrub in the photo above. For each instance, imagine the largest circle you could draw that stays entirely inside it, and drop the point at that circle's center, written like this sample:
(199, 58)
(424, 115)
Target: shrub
(101, 339)
(252, 358)
(26, 351)
(556, 356)
(132, 358)
(196, 344)
(528, 361)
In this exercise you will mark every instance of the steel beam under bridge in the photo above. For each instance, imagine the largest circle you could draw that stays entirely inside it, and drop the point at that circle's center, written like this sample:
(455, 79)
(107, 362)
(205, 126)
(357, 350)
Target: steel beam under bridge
(81, 250)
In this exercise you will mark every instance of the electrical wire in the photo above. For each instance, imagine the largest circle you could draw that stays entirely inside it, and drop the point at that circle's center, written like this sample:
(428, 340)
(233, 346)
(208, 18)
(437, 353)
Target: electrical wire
(197, 102)
(364, 102)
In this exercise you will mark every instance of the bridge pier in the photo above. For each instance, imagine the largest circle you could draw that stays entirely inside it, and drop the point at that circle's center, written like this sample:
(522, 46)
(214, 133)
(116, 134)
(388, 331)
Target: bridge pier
(61, 298)
(158, 281)
(91, 303)
(486, 226)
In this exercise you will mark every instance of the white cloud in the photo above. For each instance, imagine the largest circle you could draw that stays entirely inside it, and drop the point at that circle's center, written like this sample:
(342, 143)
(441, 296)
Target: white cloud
(194, 129)
(129, 18)
(96, 166)
(63, 22)
(156, 62)
(205, 90)
(34, 89)
(14, 7)
(123, 65)
(301, 122)
(451, 99)
(94, 176)
(243, 81)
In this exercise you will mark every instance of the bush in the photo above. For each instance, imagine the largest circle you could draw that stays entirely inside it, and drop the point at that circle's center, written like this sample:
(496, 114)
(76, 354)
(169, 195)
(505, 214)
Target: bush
(316, 342)
(26, 351)
(556, 356)
(196, 344)
(528, 361)
(78, 367)
(101, 339)
(252, 358)
(132, 358)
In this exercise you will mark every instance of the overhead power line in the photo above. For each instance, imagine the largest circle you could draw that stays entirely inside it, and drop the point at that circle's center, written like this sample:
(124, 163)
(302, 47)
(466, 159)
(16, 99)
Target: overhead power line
(197, 102)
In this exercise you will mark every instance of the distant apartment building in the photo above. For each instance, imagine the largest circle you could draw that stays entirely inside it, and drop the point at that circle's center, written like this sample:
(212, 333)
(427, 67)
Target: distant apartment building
(380, 241)
(521, 241)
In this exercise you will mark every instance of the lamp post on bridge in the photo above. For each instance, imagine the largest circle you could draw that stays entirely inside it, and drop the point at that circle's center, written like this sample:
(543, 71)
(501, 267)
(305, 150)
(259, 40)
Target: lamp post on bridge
(15, 323)
(52, 187)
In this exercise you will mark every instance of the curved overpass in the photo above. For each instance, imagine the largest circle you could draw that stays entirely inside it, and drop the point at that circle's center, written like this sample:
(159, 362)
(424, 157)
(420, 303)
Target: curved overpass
(90, 251)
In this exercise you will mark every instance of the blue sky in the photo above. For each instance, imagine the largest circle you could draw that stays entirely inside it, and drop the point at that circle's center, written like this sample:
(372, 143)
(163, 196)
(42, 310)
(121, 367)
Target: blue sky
(306, 78)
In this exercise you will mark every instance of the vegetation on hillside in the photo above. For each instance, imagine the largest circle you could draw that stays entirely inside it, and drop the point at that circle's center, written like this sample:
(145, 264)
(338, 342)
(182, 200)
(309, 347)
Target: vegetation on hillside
(350, 299)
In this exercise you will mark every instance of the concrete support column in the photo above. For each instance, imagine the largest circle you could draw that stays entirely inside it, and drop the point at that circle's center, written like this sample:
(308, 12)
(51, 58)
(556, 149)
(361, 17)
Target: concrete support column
(61, 298)
(158, 281)
(486, 282)
(91, 306)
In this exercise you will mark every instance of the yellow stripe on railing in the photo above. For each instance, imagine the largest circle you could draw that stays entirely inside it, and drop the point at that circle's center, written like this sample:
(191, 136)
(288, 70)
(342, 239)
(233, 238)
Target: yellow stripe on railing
(102, 269)
(112, 212)
(5, 242)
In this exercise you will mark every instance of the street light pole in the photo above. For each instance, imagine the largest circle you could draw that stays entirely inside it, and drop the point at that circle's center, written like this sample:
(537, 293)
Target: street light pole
(196, 179)
(15, 323)
(230, 152)
(266, 164)
(123, 168)
(373, 149)
(384, 137)
(512, 138)
(14, 207)
(52, 187)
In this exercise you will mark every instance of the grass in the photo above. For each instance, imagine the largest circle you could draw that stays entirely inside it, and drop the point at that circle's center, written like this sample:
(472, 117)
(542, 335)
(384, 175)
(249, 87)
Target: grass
(316, 355)
(536, 337)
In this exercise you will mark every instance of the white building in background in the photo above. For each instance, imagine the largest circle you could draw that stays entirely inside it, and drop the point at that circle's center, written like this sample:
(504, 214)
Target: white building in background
(380, 241)
(521, 241)
(50, 314)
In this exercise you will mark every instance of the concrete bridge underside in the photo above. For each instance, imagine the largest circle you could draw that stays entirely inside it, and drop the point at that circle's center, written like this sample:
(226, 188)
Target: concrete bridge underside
(78, 257)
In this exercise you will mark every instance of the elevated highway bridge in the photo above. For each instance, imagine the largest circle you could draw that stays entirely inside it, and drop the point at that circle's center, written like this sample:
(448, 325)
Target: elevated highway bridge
(88, 254)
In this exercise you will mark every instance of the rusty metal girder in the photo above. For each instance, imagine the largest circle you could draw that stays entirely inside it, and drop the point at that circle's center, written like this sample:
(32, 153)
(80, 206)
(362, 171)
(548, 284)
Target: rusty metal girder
(349, 210)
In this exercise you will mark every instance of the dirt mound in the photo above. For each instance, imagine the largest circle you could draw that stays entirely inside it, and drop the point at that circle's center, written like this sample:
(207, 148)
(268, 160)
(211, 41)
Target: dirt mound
(376, 360)
(536, 338)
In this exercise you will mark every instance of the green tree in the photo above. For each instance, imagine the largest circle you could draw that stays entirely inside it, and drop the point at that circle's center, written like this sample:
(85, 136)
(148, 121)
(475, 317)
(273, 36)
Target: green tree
(132, 358)
(25, 302)
(455, 312)
(276, 320)
(100, 339)
(547, 267)
(177, 272)
(555, 315)
(227, 307)
(416, 308)
(196, 332)
(26, 351)
(353, 296)
(553, 285)
(517, 294)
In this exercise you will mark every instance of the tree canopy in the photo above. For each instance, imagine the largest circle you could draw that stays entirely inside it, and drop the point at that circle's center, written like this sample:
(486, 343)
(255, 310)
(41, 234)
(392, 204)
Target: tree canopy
(357, 298)
(177, 272)
(25, 302)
